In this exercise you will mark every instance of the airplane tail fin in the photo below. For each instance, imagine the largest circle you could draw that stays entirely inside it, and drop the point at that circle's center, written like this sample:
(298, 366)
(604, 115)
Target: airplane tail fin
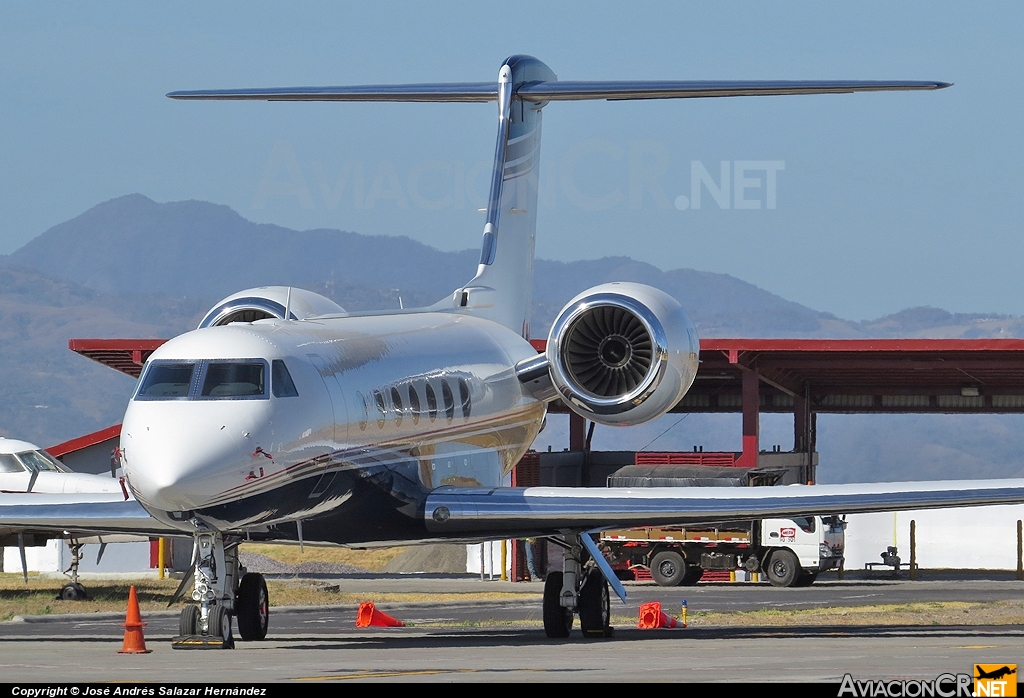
(502, 289)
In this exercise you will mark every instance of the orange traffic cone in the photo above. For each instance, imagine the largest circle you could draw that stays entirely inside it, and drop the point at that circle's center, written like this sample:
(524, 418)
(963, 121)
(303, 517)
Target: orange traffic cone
(134, 642)
(368, 615)
(651, 616)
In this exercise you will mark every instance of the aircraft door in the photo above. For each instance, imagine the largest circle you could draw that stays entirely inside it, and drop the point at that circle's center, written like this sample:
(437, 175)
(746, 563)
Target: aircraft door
(337, 396)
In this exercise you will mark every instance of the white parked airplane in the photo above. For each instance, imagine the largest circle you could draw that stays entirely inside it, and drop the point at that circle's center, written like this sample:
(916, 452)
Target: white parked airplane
(285, 418)
(27, 469)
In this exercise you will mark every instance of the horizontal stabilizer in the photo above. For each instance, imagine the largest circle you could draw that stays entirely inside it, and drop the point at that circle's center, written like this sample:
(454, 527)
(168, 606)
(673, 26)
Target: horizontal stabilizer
(428, 92)
(674, 89)
(551, 91)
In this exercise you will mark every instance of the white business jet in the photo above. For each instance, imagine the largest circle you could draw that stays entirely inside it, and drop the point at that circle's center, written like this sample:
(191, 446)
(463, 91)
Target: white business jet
(29, 470)
(282, 417)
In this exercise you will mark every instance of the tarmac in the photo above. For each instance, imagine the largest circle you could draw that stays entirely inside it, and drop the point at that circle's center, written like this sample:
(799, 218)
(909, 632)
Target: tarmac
(503, 640)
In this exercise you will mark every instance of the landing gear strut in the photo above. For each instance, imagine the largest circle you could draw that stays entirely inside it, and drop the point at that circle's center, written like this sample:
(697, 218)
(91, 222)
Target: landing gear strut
(73, 590)
(216, 572)
(579, 589)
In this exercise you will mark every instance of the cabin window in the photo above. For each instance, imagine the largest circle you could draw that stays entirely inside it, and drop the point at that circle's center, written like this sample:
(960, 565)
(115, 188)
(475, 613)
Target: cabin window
(414, 404)
(382, 409)
(282, 380)
(234, 379)
(166, 381)
(431, 402)
(449, 401)
(396, 400)
(10, 464)
(465, 398)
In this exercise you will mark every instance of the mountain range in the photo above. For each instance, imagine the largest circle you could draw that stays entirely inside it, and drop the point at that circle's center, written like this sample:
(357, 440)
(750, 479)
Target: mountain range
(132, 267)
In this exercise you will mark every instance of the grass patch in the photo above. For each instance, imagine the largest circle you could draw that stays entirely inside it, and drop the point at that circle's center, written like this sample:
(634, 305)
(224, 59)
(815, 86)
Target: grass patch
(373, 559)
(924, 613)
(38, 597)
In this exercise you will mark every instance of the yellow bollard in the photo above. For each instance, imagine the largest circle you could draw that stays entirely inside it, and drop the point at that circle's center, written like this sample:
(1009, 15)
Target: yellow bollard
(504, 557)
(160, 557)
(1020, 549)
(732, 575)
(913, 549)
(682, 616)
(755, 576)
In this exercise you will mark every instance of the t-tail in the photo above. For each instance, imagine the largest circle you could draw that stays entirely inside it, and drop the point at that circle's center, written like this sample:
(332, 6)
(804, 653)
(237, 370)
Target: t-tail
(502, 290)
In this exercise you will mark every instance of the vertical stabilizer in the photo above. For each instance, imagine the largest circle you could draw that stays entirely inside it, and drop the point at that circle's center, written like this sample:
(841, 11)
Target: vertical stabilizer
(502, 289)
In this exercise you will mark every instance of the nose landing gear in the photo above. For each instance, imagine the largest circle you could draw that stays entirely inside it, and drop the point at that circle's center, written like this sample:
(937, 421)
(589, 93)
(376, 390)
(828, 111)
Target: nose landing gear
(219, 596)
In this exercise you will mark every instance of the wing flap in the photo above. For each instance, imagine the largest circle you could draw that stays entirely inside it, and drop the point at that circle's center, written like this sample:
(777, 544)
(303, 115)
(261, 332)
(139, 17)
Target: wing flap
(519, 512)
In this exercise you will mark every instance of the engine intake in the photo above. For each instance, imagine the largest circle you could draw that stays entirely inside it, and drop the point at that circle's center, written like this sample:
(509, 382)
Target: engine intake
(269, 302)
(608, 351)
(622, 353)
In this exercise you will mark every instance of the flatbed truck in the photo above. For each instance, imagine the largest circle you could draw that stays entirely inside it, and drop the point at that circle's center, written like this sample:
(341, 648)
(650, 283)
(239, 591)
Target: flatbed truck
(788, 552)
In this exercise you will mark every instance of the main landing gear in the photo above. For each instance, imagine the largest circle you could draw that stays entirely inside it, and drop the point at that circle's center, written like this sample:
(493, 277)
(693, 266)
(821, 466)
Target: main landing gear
(580, 589)
(223, 590)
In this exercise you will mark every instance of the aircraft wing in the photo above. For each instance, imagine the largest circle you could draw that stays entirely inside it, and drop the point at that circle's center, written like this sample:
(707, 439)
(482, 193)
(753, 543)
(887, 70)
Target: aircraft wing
(517, 512)
(77, 513)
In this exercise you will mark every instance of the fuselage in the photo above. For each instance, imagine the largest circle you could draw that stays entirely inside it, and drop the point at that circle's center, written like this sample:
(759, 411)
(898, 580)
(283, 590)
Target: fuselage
(343, 424)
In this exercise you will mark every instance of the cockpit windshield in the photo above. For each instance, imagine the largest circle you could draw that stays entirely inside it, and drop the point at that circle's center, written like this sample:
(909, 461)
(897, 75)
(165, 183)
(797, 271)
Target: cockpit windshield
(235, 379)
(167, 380)
(228, 379)
(41, 462)
(10, 464)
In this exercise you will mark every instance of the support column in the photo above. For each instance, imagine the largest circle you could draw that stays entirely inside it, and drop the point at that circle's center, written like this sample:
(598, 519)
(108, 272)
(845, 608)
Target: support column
(801, 424)
(577, 432)
(751, 419)
(812, 446)
(803, 433)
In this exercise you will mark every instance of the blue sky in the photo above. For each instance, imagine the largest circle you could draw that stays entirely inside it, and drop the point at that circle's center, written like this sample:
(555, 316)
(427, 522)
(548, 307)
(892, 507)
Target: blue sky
(885, 201)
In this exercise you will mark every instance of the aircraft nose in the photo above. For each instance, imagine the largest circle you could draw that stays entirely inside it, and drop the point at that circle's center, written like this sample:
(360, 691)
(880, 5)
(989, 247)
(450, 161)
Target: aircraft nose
(176, 466)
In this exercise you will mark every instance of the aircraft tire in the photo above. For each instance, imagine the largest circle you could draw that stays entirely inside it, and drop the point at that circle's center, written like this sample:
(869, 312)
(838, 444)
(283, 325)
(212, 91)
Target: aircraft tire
(73, 591)
(595, 606)
(253, 607)
(219, 624)
(668, 568)
(557, 619)
(188, 621)
(783, 568)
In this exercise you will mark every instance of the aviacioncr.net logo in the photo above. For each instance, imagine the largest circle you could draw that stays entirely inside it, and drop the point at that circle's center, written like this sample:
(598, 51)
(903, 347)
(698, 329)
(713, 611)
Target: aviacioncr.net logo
(942, 686)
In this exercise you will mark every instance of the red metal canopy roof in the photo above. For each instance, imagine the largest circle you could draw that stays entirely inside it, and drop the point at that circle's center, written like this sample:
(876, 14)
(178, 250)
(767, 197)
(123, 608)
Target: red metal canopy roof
(77, 444)
(839, 375)
(124, 355)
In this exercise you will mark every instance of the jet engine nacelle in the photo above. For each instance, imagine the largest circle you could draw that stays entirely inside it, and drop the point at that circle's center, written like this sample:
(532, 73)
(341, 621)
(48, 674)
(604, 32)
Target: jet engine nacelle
(269, 302)
(622, 353)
